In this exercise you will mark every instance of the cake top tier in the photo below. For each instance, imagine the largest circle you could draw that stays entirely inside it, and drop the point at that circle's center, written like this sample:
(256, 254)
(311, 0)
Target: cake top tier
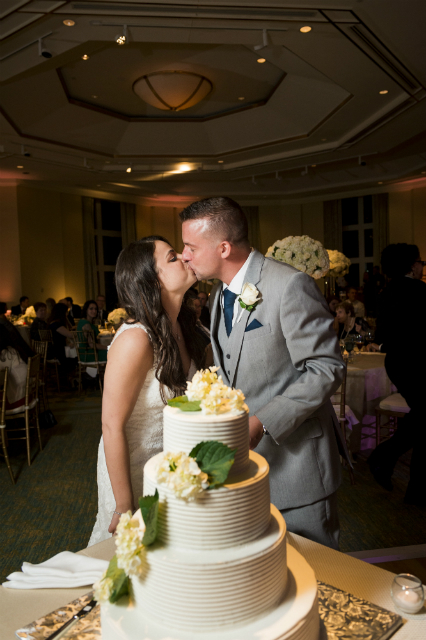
(206, 392)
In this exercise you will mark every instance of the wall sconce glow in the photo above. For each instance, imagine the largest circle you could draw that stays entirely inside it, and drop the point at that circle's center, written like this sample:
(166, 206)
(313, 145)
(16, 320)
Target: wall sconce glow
(305, 29)
(220, 161)
(261, 60)
(85, 57)
(129, 170)
(20, 166)
(184, 167)
(69, 23)
(241, 98)
(384, 92)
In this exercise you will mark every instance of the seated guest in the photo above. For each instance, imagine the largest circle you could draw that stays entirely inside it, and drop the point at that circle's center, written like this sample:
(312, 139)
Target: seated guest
(39, 321)
(16, 337)
(333, 301)
(14, 355)
(357, 304)
(3, 309)
(89, 314)
(205, 313)
(102, 312)
(346, 323)
(50, 303)
(60, 329)
(19, 309)
(74, 310)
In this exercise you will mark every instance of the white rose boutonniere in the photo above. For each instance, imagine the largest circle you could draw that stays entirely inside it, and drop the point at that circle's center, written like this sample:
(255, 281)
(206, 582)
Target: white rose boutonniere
(249, 298)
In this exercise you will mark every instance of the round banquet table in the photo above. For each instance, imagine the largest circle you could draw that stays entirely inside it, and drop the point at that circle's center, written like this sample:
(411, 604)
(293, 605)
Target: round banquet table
(19, 607)
(367, 384)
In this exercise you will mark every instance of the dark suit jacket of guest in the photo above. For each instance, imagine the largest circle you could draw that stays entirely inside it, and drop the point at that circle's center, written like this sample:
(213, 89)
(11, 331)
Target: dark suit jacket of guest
(16, 310)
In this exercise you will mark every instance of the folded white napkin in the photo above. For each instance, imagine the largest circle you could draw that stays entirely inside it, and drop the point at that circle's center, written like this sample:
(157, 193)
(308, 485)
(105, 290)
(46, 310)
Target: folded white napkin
(63, 571)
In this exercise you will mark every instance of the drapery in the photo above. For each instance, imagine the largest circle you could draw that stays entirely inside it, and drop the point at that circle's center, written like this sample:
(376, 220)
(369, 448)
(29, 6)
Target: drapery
(333, 225)
(88, 212)
(380, 224)
(252, 215)
(128, 222)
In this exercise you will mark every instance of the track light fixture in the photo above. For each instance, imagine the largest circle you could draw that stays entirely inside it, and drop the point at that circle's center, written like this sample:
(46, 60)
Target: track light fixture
(123, 38)
(253, 179)
(304, 172)
(265, 41)
(278, 177)
(43, 52)
(361, 162)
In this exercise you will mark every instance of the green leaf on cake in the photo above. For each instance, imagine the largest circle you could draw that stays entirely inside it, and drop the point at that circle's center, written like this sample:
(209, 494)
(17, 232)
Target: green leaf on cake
(119, 579)
(149, 510)
(215, 459)
(182, 403)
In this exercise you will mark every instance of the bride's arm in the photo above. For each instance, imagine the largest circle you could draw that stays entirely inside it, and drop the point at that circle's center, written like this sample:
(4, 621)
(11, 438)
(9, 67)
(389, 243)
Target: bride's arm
(129, 360)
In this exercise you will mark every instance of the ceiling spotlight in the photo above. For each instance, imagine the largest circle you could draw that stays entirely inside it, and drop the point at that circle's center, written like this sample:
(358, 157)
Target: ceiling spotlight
(42, 51)
(220, 161)
(305, 29)
(122, 39)
(69, 23)
(94, 97)
(423, 172)
(261, 60)
(85, 57)
(380, 183)
(129, 170)
(241, 98)
(184, 167)
(313, 165)
(20, 166)
(323, 139)
(382, 93)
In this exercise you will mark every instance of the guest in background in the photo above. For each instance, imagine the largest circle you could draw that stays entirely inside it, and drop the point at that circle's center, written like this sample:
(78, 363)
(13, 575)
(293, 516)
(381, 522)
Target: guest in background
(17, 338)
(3, 309)
(14, 355)
(89, 314)
(346, 323)
(402, 305)
(332, 302)
(370, 295)
(50, 303)
(19, 309)
(61, 331)
(39, 321)
(205, 313)
(102, 312)
(357, 304)
(74, 310)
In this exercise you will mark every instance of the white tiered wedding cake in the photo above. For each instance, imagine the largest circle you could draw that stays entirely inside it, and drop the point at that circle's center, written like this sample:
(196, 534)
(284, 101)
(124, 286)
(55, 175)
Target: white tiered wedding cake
(220, 567)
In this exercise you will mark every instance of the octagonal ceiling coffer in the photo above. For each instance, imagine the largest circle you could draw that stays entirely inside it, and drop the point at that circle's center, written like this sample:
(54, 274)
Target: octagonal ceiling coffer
(172, 90)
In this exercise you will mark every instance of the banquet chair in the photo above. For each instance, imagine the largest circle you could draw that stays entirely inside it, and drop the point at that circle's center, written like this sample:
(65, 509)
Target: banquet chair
(3, 391)
(85, 341)
(338, 401)
(46, 336)
(394, 407)
(41, 348)
(29, 410)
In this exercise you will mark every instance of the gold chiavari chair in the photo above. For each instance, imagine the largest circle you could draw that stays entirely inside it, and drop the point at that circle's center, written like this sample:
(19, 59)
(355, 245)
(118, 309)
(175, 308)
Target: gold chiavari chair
(339, 403)
(29, 410)
(85, 343)
(46, 336)
(3, 392)
(41, 348)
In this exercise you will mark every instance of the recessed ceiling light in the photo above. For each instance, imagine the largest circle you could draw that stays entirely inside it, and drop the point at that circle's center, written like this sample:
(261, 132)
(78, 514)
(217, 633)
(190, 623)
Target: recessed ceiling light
(380, 183)
(85, 57)
(305, 29)
(323, 139)
(382, 93)
(423, 172)
(98, 185)
(220, 161)
(69, 23)
(129, 170)
(94, 97)
(107, 162)
(241, 98)
(313, 165)
(261, 60)
(20, 166)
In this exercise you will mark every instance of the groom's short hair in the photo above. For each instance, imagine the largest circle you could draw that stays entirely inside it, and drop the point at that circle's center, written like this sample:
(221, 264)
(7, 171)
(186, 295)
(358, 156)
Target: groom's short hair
(225, 218)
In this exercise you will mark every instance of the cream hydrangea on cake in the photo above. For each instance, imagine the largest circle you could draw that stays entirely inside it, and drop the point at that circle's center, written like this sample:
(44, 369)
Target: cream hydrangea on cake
(102, 589)
(129, 534)
(339, 263)
(303, 253)
(180, 473)
(214, 396)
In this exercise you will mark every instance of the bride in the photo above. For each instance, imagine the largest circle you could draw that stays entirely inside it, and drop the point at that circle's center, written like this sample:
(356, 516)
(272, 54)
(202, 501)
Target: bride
(149, 360)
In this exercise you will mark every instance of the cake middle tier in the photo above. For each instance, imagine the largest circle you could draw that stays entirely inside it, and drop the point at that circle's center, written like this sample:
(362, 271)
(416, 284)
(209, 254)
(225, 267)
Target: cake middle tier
(234, 514)
(183, 430)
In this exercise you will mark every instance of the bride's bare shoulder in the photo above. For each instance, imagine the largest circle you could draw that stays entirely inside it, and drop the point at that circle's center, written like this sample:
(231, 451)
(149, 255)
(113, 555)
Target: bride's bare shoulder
(129, 337)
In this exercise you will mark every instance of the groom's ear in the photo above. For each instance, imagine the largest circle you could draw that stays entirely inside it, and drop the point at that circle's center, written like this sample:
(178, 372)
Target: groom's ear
(225, 249)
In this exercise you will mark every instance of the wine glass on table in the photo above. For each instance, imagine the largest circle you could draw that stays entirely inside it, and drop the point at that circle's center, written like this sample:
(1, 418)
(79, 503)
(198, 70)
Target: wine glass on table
(369, 337)
(349, 346)
(359, 340)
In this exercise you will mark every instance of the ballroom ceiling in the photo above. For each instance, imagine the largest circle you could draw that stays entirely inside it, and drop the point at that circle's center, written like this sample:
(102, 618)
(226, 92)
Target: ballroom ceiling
(335, 108)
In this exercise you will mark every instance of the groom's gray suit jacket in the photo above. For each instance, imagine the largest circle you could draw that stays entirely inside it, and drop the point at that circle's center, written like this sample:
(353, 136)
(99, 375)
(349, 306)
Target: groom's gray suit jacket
(287, 368)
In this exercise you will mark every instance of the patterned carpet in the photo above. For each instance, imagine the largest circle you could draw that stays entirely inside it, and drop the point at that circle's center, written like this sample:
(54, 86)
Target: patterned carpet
(53, 505)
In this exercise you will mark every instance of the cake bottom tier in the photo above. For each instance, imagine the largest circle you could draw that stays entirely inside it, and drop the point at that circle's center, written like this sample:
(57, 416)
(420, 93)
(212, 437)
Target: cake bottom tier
(295, 617)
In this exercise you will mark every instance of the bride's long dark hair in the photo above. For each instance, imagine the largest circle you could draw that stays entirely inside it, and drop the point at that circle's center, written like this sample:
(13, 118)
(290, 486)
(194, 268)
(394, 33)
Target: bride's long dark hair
(139, 293)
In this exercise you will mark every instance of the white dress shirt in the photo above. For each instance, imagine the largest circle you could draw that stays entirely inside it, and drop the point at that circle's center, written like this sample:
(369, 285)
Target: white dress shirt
(236, 286)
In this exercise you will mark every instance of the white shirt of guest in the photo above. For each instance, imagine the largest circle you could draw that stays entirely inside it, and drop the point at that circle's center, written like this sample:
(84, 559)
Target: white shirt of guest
(236, 285)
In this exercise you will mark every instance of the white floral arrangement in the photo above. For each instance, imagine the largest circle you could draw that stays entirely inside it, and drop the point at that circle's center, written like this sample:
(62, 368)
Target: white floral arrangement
(339, 263)
(117, 316)
(213, 396)
(182, 475)
(303, 253)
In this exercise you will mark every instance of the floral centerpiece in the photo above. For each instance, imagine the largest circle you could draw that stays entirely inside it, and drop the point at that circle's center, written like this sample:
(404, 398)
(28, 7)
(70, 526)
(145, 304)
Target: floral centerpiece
(339, 263)
(303, 253)
(117, 317)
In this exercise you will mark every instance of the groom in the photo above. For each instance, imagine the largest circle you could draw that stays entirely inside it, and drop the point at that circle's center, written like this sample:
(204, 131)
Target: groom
(283, 354)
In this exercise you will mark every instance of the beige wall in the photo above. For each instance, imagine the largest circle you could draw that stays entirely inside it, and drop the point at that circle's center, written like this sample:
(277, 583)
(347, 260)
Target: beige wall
(407, 218)
(279, 220)
(10, 263)
(161, 221)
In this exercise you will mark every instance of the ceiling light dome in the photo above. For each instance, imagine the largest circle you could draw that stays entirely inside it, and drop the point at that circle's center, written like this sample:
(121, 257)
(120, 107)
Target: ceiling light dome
(172, 90)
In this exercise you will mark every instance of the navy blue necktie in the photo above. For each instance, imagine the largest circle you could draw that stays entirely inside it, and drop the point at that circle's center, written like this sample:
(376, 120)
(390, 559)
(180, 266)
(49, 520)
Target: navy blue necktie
(228, 308)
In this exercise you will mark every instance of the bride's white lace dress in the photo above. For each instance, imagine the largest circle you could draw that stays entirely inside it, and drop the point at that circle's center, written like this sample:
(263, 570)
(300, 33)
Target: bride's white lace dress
(144, 433)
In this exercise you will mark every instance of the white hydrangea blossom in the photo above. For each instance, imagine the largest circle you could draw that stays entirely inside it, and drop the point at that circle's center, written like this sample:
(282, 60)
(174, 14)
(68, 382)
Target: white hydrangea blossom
(129, 534)
(102, 589)
(303, 253)
(181, 473)
(215, 397)
(339, 263)
(117, 315)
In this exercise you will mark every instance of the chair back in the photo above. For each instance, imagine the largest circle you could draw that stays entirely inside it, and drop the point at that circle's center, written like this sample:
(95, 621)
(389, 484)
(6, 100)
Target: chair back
(85, 343)
(40, 347)
(33, 370)
(3, 390)
(45, 335)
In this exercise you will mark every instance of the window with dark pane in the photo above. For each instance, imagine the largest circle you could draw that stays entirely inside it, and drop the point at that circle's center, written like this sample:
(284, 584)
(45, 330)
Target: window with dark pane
(368, 242)
(349, 211)
(110, 290)
(96, 250)
(350, 241)
(369, 268)
(111, 215)
(112, 247)
(353, 276)
(368, 210)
